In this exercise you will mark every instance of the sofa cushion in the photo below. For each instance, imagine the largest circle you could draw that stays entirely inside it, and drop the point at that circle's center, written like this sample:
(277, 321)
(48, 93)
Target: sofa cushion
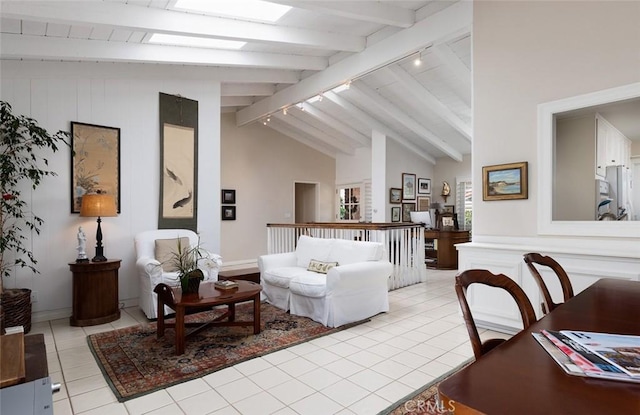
(166, 251)
(309, 248)
(320, 266)
(309, 284)
(280, 277)
(349, 252)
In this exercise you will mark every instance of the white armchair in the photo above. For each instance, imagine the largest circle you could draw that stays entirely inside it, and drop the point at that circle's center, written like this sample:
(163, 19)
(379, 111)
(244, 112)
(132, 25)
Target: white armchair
(151, 273)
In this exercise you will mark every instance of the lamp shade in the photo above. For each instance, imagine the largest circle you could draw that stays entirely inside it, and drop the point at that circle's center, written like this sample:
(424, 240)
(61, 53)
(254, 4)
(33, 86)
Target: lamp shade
(100, 205)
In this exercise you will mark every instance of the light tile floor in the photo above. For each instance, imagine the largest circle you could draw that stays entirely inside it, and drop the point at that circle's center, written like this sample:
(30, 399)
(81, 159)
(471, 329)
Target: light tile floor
(361, 370)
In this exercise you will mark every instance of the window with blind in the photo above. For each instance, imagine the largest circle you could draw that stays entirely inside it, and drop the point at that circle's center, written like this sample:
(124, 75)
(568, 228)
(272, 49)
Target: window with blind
(464, 198)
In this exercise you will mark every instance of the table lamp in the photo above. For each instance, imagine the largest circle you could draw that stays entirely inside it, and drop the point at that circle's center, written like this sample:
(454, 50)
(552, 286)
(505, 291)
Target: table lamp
(100, 205)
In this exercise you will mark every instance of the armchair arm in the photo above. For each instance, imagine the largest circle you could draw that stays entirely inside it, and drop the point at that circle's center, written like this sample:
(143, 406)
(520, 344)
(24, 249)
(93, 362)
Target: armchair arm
(285, 259)
(150, 268)
(210, 264)
(354, 277)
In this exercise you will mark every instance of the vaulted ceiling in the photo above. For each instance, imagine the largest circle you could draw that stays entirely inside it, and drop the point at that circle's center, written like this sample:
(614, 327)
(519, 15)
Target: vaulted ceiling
(315, 47)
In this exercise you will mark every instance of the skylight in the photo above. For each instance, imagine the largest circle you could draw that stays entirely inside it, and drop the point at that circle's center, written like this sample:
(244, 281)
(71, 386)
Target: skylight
(198, 42)
(259, 10)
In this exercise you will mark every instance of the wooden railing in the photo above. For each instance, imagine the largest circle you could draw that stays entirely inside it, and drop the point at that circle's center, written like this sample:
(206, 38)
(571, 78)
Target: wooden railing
(404, 243)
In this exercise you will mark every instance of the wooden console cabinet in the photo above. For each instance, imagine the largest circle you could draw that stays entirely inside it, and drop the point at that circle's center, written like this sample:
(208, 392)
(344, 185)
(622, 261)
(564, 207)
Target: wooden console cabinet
(440, 251)
(95, 292)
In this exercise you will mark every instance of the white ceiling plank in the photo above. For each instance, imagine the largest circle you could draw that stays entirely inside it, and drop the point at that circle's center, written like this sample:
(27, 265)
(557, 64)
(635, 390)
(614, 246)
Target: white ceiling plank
(374, 124)
(296, 135)
(135, 18)
(416, 90)
(93, 50)
(315, 133)
(80, 32)
(365, 93)
(337, 125)
(369, 11)
(58, 30)
(428, 31)
(248, 90)
(33, 28)
(327, 129)
(459, 69)
(235, 101)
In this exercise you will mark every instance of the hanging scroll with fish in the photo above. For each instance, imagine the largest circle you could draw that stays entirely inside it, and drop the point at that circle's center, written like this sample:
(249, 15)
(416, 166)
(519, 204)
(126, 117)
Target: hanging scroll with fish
(178, 163)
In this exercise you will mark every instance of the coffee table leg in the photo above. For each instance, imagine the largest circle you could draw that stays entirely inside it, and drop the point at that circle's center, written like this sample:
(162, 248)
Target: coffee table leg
(160, 325)
(231, 308)
(256, 314)
(179, 330)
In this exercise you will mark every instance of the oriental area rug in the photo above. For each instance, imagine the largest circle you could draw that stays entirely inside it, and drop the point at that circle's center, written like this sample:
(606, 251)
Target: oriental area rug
(424, 401)
(135, 362)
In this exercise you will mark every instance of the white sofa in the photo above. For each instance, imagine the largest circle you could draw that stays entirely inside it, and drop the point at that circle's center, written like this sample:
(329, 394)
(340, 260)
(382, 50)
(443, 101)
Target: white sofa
(150, 272)
(355, 289)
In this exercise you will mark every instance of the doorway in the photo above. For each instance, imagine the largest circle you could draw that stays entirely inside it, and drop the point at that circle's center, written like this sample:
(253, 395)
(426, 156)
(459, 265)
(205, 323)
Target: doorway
(305, 201)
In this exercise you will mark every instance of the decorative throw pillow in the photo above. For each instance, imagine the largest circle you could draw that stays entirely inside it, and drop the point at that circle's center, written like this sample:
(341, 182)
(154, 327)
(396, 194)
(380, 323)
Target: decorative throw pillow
(321, 267)
(167, 249)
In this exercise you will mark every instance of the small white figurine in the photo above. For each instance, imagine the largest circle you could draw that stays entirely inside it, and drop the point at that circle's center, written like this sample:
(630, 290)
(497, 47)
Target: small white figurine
(82, 244)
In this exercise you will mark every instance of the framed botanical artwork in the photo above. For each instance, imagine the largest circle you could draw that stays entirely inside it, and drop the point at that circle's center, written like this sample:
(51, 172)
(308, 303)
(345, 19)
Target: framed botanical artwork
(228, 213)
(424, 186)
(408, 186)
(228, 196)
(95, 163)
(395, 214)
(505, 181)
(395, 195)
(407, 208)
(424, 203)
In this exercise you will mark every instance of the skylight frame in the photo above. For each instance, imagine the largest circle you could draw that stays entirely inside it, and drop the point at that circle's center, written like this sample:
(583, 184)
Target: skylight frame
(251, 10)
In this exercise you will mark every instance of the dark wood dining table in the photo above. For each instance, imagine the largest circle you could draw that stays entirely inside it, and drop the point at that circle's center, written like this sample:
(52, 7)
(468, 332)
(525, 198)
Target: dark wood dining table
(519, 376)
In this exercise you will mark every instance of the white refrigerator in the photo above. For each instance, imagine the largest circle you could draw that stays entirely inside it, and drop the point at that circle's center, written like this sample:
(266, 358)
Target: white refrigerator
(619, 192)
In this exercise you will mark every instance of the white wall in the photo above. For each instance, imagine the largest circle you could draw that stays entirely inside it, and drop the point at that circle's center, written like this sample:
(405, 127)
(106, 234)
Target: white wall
(527, 53)
(400, 160)
(263, 165)
(449, 170)
(124, 96)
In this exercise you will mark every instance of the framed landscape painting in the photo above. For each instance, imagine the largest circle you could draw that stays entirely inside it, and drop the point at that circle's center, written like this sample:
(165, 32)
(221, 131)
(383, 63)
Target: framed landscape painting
(395, 195)
(505, 181)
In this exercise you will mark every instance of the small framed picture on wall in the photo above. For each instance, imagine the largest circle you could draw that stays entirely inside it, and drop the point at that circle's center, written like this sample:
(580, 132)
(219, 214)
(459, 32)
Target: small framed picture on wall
(395, 214)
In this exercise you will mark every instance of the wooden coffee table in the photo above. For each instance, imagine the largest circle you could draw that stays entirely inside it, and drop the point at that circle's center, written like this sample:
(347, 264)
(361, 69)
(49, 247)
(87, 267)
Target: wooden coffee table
(209, 296)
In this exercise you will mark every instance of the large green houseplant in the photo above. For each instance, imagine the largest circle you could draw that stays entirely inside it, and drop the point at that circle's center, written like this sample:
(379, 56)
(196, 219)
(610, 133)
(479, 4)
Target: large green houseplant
(22, 165)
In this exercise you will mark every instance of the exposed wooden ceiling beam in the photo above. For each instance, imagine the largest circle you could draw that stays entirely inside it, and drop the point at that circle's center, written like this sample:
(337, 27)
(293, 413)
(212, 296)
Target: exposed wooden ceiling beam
(283, 128)
(326, 128)
(374, 124)
(235, 101)
(338, 125)
(416, 91)
(315, 133)
(366, 93)
(40, 47)
(149, 19)
(431, 30)
(247, 90)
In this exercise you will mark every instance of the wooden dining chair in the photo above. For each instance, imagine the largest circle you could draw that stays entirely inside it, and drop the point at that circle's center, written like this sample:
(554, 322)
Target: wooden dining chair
(483, 276)
(533, 258)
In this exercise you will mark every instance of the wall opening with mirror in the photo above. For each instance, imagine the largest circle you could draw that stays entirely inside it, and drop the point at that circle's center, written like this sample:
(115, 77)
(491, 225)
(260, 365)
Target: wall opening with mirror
(586, 147)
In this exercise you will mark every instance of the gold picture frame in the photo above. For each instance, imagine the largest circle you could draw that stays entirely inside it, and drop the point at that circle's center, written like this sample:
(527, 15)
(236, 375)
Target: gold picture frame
(95, 162)
(505, 181)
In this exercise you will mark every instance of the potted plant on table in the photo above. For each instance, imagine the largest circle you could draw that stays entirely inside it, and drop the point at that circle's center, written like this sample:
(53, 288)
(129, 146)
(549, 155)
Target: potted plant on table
(187, 260)
(21, 163)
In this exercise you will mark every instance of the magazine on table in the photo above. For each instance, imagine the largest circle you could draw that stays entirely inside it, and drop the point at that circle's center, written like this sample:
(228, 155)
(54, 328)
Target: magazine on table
(620, 350)
(587, 362)
(561, 359)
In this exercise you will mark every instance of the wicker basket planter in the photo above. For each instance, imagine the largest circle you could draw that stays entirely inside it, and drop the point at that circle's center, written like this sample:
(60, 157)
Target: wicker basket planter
(16, 308)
